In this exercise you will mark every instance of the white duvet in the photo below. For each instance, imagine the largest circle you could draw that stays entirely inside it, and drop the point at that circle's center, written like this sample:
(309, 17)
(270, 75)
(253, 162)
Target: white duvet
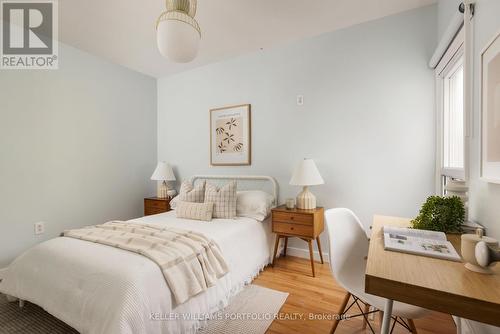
(99, 289)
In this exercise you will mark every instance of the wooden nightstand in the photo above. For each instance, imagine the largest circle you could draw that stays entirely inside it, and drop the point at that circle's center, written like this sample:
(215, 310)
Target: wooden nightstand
(304, 224)
(155, 205)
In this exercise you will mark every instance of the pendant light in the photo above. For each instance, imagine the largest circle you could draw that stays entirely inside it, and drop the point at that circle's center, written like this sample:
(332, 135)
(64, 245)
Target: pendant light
(177, 32)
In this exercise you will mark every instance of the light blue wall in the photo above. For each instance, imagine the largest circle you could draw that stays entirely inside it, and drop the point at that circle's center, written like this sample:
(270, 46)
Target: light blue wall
(367, 119)
(484, 197)
(77, 146)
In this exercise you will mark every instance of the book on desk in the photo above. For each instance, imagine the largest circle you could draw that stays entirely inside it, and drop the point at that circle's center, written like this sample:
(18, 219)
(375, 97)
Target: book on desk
(419, 242)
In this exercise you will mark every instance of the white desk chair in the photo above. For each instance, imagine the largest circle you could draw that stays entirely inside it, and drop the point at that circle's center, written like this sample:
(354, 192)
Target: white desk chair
(348, 245)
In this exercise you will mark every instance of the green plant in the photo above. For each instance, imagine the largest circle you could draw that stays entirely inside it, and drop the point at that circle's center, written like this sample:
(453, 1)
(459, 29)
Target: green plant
(444, 214)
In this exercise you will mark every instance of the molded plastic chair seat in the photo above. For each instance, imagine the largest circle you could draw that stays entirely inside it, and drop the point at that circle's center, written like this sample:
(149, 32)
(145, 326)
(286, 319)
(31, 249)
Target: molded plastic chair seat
(348, 251)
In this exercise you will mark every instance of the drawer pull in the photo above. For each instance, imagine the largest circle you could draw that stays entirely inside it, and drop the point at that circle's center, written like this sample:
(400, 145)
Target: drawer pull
(291, 228)
(291, 217)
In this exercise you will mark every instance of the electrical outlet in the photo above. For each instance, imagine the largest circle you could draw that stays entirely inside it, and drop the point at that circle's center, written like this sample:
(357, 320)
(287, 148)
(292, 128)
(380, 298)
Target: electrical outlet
(300, 100)
(39, 228)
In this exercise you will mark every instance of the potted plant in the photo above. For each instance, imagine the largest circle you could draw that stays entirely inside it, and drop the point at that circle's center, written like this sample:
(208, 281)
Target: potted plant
(438, 213)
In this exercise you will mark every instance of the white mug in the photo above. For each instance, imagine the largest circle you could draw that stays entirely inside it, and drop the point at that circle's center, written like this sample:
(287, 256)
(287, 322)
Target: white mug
(290, 203)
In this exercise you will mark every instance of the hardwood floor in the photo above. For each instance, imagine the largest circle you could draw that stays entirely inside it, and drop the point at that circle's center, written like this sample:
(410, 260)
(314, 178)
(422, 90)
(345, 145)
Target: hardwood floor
(313, 302)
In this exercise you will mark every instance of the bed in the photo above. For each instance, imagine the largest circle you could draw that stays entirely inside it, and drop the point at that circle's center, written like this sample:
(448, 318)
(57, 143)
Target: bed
(99, 289)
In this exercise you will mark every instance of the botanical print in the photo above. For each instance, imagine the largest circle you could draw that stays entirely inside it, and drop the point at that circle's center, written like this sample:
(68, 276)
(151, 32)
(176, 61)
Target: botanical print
(493, 110)
(229, 135)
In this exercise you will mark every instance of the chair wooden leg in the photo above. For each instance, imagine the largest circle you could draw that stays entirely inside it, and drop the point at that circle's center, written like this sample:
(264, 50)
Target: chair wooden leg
(366, 309)
(286, 246)
(412, 326)
(341, 310)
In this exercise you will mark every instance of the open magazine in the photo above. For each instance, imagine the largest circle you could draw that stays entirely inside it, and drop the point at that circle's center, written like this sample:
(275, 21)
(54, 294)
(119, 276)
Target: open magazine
(419, 242)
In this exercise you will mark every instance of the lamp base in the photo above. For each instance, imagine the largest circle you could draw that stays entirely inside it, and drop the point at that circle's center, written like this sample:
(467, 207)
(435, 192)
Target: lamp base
(162, 190)
(478, 269)
(306, 200)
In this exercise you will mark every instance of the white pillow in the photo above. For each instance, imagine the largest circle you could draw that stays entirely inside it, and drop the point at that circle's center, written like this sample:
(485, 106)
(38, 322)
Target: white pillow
(173, 202)
(254, 204)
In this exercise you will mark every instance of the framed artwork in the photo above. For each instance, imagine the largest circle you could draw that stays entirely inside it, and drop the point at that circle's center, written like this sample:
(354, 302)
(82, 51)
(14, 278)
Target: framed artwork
(490, 113)
(230, 136)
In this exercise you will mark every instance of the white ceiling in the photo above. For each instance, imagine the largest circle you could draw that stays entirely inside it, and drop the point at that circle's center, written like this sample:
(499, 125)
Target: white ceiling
(123, 31)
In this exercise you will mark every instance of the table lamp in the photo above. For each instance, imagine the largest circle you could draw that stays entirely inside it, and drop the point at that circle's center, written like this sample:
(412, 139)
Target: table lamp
(163, 172)
(306, 174)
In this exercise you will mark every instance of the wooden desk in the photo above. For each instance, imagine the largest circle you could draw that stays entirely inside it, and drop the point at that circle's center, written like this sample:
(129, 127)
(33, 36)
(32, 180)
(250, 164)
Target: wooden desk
(434, 284)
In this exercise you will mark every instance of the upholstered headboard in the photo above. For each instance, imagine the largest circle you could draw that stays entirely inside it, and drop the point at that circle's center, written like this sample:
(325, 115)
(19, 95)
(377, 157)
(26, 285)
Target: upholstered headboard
(246, 182)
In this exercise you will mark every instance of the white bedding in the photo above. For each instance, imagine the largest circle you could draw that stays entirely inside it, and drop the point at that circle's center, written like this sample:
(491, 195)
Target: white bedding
(88, 286)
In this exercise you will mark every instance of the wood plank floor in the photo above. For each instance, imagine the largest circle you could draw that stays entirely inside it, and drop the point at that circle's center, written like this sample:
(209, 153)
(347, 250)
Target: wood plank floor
(321, 297)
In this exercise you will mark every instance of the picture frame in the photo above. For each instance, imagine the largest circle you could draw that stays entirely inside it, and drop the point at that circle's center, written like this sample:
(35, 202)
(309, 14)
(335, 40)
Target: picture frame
(490, 111)
(230, 136)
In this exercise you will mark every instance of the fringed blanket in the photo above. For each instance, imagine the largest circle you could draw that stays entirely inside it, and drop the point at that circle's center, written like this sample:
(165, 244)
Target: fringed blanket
(189, 261)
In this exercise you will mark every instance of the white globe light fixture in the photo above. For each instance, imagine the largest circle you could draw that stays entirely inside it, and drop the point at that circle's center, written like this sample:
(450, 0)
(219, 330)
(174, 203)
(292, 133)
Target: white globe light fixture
(178, 34)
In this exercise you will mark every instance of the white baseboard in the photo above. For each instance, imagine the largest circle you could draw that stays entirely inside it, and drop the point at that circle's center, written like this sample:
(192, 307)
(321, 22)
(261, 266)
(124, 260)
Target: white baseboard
(304, 253)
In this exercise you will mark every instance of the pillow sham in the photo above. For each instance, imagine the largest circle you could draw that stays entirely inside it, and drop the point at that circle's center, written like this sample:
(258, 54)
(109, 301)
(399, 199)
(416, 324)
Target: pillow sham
(224, 199)
(254, 204)
(197, 211)
(192, 193)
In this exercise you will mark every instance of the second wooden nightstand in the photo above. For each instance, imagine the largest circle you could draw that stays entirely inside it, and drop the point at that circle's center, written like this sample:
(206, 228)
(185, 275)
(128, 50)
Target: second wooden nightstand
(155, 205)
(304, 224)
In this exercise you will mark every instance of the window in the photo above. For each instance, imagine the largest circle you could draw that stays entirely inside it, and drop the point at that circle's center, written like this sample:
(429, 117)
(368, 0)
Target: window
(451, 162)
(453, 117)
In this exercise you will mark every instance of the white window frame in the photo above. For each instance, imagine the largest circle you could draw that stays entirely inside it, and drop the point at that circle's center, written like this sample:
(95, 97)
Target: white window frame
(454, 55)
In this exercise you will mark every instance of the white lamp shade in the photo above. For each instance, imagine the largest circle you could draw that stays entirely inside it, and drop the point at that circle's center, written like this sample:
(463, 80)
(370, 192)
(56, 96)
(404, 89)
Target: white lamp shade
(177, 40)
(306, 174)
(163, 172)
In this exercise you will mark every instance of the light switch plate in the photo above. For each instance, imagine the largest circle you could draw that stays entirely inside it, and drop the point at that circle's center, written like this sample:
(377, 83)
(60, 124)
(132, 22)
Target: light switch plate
(300, 100)
(39, 228)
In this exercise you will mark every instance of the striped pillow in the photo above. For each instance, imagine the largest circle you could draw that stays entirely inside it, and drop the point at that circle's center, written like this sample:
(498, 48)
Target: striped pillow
(198, 211)
(224, 199)
(190, 193)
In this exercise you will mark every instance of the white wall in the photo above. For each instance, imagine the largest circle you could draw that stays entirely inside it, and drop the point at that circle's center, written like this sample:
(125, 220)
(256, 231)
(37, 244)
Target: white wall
(484, 197)
(77, 146)
(367, 121)
(446, 11)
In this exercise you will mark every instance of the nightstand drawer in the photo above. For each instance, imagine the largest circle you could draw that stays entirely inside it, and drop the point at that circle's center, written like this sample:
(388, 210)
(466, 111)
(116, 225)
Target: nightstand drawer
(297, 218)
(294, 229)
(157, 204)
(153, 211)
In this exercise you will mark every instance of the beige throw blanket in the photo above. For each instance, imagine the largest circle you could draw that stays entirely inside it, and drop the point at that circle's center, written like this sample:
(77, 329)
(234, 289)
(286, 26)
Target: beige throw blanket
(189, 261)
